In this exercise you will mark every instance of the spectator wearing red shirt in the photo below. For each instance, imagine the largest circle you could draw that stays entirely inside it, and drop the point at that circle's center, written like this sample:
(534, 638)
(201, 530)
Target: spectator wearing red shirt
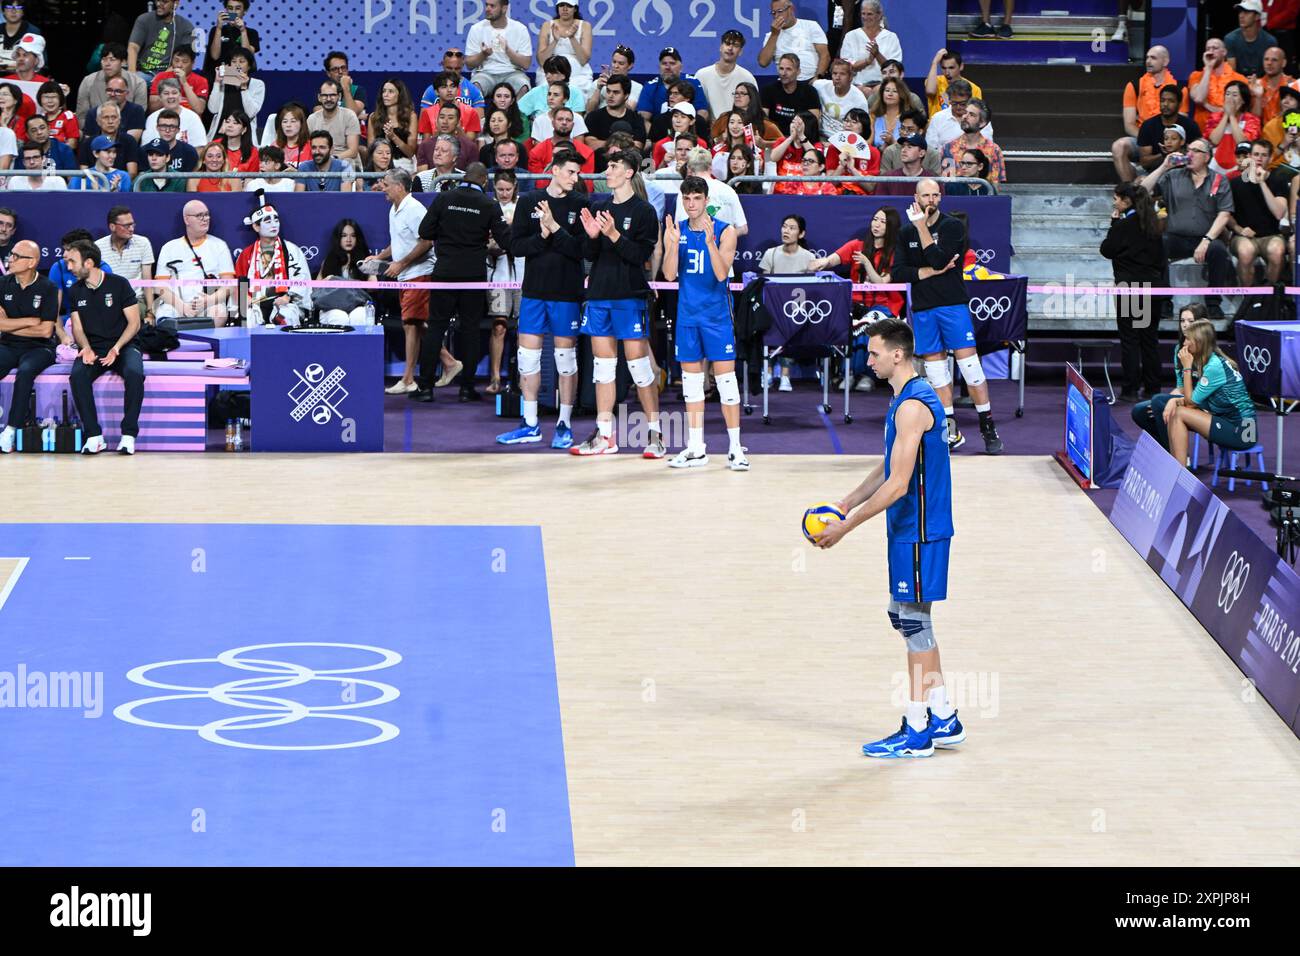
(241, 154)
(813, 163)
(1235, 125)
(1280, 20)
(28, 58)
(539, 155)
(63, 122)
(194, 86)
(870, 266)
(788, 154)
(863, 164)
(683, 121)
(448, 86)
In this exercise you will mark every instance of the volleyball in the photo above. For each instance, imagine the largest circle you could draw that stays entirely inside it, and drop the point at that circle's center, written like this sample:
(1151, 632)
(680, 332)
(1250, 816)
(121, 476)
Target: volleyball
(817, 517)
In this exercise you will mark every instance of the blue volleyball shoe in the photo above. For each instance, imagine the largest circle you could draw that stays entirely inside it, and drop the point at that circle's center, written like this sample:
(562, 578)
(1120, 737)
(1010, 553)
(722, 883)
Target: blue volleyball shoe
(563, 437)
(522, 435)
(906, 743)
(947, 732)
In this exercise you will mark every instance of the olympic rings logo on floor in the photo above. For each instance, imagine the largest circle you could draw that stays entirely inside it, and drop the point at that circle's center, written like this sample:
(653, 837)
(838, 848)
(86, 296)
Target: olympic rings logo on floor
(1256, 357)
(249, 693)
(799, 310)
(1236, 571)
(990, 308)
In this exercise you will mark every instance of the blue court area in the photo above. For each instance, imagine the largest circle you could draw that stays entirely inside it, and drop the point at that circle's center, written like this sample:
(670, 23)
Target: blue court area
(278, 694)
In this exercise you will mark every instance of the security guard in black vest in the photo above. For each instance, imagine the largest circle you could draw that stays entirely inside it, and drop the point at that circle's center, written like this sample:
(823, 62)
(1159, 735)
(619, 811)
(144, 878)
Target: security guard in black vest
(458, 223)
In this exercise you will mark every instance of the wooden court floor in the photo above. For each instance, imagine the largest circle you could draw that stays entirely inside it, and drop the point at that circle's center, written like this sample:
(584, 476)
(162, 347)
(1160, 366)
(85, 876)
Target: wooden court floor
(717, 676)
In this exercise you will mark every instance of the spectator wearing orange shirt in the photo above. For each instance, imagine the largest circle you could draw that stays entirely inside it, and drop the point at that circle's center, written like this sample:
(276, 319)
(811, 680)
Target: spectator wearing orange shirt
(1285, 140)
(1140, 104)
(976, 118)
(805, 133)
(1264, 89)
(1236, 125)
(1206, 85)
(813, 163)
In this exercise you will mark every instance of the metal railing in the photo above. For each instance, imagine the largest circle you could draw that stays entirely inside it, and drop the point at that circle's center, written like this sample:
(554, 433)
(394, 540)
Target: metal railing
(767, 178)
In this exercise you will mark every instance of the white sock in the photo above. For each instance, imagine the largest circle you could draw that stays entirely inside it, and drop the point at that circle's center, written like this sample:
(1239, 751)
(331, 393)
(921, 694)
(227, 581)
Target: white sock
(696, 440)
(986, 407)
(939, 702)
(566, 412)
(606, 427)
(653, 425)
(530, 412)
(733, 436)
(916, 718)
(947, 411)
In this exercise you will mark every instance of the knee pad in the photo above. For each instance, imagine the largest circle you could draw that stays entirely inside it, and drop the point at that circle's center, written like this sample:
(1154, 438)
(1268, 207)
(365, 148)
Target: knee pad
(603, 370)
(971, 370)
(693, 386)
(643, 371)
(912, 621)
(566, 361)
(937, 373)
(530, 361)
(728, 388)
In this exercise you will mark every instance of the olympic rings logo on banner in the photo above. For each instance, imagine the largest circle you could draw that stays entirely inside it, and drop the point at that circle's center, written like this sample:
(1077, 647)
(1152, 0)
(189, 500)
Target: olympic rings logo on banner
(1232, 581)
(985, 256)
(1256, 357)
(799, 310)
(249, 693)
(990, 308)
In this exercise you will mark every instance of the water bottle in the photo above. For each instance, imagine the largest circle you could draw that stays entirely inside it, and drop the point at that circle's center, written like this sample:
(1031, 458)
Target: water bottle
(230, 434)
(239, 435)
(370, 313)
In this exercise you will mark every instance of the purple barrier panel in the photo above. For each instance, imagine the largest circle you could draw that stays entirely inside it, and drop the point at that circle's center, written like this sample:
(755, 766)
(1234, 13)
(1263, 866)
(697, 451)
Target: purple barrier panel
(318, 392)
(834, 220)
(1236, 586)
(1269, 357)
(811, 314)
(309, 219)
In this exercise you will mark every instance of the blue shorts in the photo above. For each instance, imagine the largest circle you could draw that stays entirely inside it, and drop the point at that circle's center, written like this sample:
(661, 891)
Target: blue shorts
(918, 571)
(539, 316)
(714, 341)
(943, 328)
(615, 318)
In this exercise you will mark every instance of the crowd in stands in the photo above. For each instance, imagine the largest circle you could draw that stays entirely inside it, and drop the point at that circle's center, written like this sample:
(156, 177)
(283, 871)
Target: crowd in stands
(173, 90)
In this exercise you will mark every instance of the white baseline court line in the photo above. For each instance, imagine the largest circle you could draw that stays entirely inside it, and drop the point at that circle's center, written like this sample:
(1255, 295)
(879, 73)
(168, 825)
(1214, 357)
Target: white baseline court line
(13, 579)
(76, 559)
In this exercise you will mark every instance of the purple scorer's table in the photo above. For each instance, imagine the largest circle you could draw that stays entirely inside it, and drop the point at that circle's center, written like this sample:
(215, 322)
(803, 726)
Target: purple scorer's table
(313, 390)
(1268, 356)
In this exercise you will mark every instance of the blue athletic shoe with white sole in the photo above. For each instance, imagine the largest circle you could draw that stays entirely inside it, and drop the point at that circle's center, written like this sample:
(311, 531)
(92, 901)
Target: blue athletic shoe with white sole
(523, 435)
(906, 743)
(563, 437)
(947, 732)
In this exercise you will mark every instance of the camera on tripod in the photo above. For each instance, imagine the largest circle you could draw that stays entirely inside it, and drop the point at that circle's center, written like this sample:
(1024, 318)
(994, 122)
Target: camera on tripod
(1283, 503)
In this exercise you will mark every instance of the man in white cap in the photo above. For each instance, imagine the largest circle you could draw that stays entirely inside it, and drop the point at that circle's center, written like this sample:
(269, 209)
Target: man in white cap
(1247, 43)
(28, 58)
(274, 257)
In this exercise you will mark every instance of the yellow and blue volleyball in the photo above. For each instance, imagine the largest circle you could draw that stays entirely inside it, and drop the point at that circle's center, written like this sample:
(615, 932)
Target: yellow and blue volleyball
(816, 518)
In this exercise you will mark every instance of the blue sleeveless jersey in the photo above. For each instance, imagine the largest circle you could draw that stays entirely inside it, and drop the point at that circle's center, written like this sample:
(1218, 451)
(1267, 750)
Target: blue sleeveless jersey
(701, 298)
(924, 513)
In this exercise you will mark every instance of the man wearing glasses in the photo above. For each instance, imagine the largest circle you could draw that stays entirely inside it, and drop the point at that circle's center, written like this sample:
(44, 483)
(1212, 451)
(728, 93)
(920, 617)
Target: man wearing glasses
(132, 116)
(182, 157)
(352, 96)
(93, 90)
(341, 124)
(129, 255)
(29, 305)
(467, 94)
(804, 38)
(1200, 206)
(193, 257)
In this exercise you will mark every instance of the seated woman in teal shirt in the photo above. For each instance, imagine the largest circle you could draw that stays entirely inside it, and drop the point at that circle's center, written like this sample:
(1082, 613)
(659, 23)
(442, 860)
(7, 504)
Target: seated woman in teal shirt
(1219, 407)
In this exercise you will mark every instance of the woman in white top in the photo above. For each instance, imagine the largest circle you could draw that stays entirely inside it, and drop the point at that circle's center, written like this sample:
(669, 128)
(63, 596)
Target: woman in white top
(192, 131)
(868, 47)
(791, 257)
(569, 36)
(237, 74)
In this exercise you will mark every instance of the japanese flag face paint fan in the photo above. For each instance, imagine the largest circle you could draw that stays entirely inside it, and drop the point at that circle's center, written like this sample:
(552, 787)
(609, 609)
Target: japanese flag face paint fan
(817, 517)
